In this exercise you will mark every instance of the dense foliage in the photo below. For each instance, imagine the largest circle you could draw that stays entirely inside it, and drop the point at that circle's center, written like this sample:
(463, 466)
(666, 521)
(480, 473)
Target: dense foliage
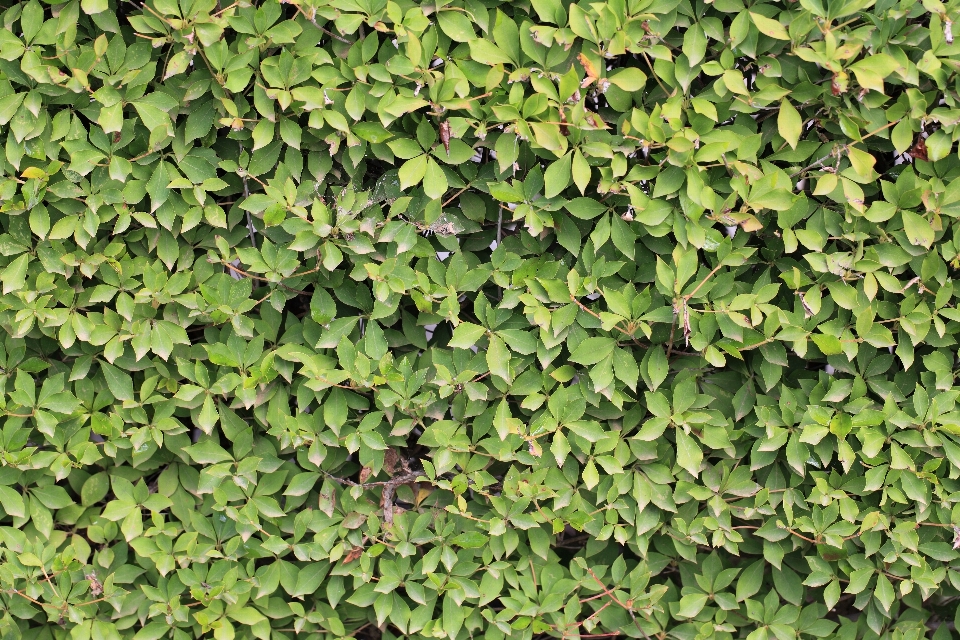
(473, 318)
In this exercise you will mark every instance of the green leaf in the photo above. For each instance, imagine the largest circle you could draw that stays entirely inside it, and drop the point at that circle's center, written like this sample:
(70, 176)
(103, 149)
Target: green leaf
(498, 359)
(301, 484)
(918, 230)
(581, 172)
(14, 275)
(590, 475)
(584, 208)
(750, 581)
(466, 335)
(694, 44)
(486, 52)
(829, 345)
(456, 24)
(629, 79)
(94, 489)
(12, 502)
(207, 452)
(119, 383)
(657, 367)
(690, 605)
(884, 592)
(434, 180)
(470, 540)
(91, 7)
(592, 350)
(789, 123)
(689, 454)
(769, 27)
(557, 177)
(371, 132)
(413, 171)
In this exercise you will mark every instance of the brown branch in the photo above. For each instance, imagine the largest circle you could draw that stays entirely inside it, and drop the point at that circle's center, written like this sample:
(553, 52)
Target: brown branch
(454, 196)
(253, 277)
(755, 345)
(703, 282)
(23, 595)
(313, 20)
(626, 607)
(799, 535)
(642, 345)
(600, 582)
(673, 329)
(597, 316)
(389, 487)
(842, 148)
(226, 8)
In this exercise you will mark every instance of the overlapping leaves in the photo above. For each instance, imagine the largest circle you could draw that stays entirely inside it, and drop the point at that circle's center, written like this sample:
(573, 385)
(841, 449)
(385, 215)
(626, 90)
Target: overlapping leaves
(479, 319)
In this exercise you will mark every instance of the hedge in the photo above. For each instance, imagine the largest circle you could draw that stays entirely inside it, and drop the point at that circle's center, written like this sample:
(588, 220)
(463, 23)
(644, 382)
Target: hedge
(479, 319)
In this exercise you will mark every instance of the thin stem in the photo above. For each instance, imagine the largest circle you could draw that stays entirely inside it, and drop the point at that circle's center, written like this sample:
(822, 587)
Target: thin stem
(703, 282)
(253, 277)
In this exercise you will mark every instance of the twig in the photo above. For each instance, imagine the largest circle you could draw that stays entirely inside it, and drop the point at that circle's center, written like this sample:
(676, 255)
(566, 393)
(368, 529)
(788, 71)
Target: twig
(23, 595)
(313, 21)
(246, 194)
(836, 151)
(673, 329)
(389, 487)
(611, 590)
(253, 277)
(703, 282)
(627, 333)
(454, 196)
(226, 8)
(799, 535)
(597, 316)
(627, 608)
(52, 586)
(755, 345)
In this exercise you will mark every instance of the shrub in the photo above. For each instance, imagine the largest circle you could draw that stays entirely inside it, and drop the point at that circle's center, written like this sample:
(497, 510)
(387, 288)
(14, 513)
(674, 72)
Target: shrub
(470, 318)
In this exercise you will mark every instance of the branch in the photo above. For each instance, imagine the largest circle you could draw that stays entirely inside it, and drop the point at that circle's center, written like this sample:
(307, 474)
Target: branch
(703, 282)
(642, 345)
(253, 277)
(389, 487)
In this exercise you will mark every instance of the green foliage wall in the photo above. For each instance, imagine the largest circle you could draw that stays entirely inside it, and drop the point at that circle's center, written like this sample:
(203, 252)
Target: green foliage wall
(479, 319)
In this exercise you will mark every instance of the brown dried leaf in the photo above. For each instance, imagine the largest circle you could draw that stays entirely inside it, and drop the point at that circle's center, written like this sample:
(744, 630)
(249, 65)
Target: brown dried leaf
(919, 150)
(535, 450)
(445, 136)
(750, 223)
(365, 474)
(352, 555)
(95, 587)
(326, 502)
(391, 461)
(422, 492)
(592, 74)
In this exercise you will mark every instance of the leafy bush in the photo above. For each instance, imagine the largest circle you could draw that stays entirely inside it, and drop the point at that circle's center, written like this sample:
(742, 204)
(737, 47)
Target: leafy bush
(473, 318)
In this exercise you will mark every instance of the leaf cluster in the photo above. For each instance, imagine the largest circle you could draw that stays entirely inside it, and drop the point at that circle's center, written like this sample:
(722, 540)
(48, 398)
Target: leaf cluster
(479, 319)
